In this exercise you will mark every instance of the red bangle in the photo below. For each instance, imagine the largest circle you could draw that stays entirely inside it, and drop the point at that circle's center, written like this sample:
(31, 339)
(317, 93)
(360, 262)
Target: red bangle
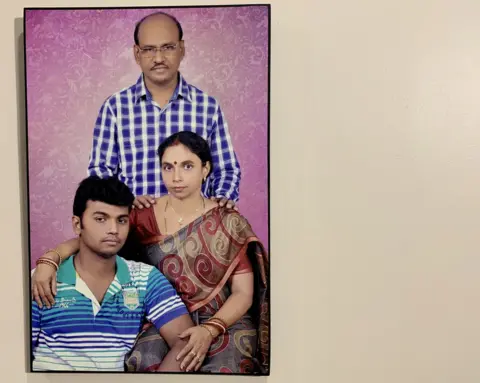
(218, 326)
(47, 262)
(219, 321)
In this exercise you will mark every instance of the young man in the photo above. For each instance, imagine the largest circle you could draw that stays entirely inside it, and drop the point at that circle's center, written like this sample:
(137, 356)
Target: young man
(133, 122)
(103, 300)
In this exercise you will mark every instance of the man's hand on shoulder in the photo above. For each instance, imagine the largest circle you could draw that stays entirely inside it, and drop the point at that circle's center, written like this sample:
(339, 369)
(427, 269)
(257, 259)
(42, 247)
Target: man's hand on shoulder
(143, 201)
(222, 201)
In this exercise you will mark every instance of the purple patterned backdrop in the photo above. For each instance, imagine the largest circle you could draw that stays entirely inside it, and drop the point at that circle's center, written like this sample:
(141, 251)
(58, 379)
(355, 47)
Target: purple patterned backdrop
(77, 58)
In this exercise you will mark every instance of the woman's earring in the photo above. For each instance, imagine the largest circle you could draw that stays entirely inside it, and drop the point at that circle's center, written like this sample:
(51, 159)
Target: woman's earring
(205, 179)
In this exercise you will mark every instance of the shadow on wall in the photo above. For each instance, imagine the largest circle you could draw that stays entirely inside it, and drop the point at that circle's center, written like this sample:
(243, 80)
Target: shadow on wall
(23, 179)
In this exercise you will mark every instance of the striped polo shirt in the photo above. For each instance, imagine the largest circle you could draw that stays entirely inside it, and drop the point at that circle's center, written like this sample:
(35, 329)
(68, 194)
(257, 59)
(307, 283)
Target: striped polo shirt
(78, 333)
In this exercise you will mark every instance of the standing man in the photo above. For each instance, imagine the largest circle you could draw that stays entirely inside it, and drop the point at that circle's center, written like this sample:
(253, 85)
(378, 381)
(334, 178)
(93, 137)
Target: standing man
(133, 122)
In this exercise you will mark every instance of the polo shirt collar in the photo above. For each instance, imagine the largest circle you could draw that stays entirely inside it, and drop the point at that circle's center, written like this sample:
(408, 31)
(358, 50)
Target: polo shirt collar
(66, 272)
(68, 275)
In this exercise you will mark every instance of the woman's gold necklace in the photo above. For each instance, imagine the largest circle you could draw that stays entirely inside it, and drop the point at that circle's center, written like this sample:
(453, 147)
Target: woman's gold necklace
(180, 219)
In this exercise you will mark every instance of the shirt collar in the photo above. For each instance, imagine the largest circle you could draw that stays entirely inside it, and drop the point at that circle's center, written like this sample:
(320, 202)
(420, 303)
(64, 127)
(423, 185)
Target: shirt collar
(182, 89)
(68, 275)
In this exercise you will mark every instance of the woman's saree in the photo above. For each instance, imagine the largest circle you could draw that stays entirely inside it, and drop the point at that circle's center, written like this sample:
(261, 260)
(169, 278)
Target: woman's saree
(199, 260)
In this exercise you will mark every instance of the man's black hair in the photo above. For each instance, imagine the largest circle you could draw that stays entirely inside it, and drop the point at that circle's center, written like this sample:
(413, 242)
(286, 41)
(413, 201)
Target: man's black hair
(109, 190)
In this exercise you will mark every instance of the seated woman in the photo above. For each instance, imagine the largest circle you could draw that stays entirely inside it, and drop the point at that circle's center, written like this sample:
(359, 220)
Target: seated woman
(212, 258)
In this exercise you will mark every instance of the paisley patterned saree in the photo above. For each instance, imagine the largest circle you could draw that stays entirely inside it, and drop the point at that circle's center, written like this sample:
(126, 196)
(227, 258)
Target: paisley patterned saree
(199, 261)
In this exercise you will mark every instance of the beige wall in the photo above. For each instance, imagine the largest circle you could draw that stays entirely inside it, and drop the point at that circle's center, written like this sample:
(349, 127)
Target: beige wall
(375, 206)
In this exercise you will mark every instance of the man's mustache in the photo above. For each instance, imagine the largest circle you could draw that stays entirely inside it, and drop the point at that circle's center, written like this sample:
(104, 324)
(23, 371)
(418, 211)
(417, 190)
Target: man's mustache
(160, 66)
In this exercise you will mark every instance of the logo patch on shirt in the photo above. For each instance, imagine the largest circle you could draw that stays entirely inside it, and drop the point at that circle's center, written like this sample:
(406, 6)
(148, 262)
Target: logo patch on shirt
(130, 298)
(64, 303)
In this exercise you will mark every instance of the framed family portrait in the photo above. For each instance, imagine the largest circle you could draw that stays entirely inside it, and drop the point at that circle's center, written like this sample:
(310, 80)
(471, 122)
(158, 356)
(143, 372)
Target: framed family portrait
(148, 189)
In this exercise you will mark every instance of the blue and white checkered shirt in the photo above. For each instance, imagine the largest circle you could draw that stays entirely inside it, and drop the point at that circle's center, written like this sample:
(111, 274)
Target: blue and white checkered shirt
(130, 127)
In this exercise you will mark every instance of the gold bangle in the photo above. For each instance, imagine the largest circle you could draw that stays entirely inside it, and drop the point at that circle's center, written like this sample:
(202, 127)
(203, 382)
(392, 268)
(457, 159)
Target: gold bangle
(60, 260)
(47, 262)
(216, 325)
(206, 328)
(219, 321)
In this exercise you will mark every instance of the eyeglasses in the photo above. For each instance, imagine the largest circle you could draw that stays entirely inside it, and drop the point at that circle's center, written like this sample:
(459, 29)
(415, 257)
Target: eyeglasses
(150, 52)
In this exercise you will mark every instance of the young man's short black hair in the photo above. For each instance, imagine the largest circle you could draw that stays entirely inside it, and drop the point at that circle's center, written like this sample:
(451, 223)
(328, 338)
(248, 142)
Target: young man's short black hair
(109, 190)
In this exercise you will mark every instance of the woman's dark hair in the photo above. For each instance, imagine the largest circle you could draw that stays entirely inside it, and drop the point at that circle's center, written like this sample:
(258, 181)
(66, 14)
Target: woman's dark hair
(109, 190)
(139, 24)
(195, 143)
